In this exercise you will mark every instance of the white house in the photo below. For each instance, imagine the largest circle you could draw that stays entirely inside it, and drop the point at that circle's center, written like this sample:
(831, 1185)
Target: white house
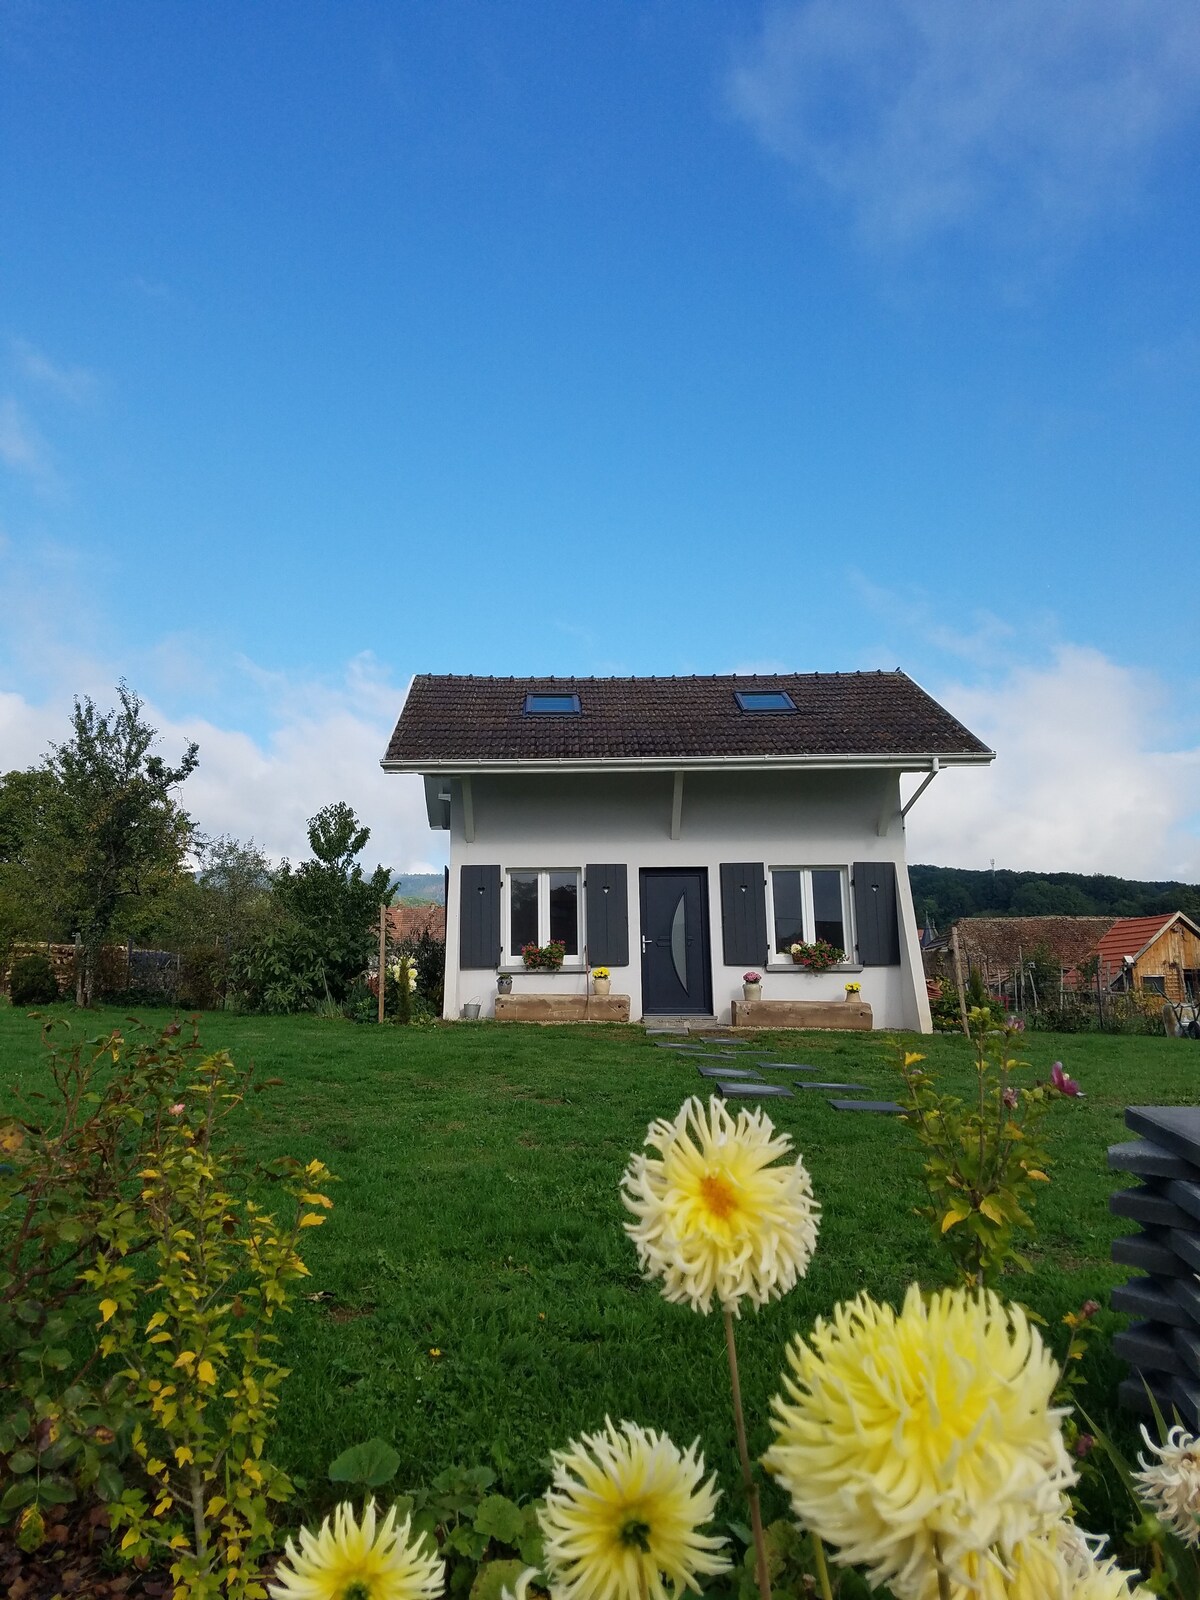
(679, 831)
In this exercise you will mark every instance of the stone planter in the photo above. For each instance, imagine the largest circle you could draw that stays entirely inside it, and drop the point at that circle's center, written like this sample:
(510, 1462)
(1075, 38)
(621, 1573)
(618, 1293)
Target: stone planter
(752, 991)
(601, 985)
(504, 984)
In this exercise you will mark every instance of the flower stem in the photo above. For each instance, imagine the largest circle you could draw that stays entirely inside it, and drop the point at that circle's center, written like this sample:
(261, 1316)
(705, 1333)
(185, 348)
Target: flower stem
(943, 1576)
(822, 1569)
(748, 1483)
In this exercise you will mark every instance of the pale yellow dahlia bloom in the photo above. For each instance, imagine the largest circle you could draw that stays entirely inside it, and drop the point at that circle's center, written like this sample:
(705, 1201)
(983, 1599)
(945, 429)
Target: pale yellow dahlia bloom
(714, 1216)
(928, 1429)
(1061, 1565)
(1171, 1486)
(622, 1516)
(359, 1561)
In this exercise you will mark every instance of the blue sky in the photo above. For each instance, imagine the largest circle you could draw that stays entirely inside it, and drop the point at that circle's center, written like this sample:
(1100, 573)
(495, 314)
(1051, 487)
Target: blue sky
(341, 342)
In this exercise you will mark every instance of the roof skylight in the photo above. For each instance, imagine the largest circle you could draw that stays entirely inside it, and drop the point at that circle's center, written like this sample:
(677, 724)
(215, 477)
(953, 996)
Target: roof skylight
(552, 705)
(764, 700)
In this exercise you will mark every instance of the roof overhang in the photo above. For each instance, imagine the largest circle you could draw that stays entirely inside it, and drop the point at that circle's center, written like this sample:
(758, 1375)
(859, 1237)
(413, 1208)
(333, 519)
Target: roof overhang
(907, 762)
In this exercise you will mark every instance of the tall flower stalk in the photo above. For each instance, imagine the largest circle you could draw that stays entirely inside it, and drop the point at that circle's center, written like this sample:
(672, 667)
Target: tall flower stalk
(720, 1215)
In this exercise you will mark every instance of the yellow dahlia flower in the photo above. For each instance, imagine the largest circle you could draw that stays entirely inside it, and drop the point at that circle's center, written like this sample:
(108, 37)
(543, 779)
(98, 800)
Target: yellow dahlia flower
(357, 1561)
(714, 1216)
(927, 1430)
(1171, 1486)
(623, 1513)
(1060, 1565)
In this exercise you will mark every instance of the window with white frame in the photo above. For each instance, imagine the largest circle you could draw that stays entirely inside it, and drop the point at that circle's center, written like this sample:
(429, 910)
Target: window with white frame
(807, 904)
(544, 904)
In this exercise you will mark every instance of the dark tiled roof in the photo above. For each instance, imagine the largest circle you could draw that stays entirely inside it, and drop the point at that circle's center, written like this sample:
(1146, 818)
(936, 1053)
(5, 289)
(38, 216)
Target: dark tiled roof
(873, 714)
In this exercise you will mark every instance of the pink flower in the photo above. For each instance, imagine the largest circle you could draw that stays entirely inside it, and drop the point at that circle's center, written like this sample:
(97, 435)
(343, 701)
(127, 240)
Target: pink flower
(1084, 1445)
(1062, 1082)
(1011, 1099)
(178, 1108)
(1089, 1308)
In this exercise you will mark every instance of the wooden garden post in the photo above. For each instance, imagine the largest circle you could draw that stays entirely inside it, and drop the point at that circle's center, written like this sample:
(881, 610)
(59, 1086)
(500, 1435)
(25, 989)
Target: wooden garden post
(958, 981)
(382, 957)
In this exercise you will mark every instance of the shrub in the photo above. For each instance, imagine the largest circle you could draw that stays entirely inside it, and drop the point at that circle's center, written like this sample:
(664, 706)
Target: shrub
(68, 1186)
(982, 1159)
(31, 982)
(194, 1346)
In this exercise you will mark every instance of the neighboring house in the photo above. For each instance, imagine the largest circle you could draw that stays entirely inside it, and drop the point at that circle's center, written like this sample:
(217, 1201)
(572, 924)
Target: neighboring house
(1158, 954)
(410, 922)
(679, 831)
(997, 946)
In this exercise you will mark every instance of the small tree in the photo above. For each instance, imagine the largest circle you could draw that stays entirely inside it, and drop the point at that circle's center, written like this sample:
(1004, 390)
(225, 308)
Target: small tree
(329, 910)
(108, 831)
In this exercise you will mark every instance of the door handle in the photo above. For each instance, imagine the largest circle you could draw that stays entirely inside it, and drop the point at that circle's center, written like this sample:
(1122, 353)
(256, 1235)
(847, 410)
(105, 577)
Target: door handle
(645, 944)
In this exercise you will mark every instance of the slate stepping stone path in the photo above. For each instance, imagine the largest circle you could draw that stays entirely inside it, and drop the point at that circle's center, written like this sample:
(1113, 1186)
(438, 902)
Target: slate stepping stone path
(785, 1066)
(747, 1089)
(1163, 1345)
(887, 1108)
(729, 1072)
(807, 1085)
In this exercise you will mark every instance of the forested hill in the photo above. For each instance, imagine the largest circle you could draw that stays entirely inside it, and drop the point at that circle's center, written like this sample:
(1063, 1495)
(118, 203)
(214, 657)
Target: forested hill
(944, 893)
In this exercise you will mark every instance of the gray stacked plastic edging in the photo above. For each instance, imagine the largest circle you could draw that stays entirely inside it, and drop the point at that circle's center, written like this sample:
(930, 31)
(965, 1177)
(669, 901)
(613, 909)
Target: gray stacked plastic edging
(1163, 1344)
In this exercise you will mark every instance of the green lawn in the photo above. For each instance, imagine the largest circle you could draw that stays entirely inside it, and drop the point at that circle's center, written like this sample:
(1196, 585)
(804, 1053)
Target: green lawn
(478, 1214)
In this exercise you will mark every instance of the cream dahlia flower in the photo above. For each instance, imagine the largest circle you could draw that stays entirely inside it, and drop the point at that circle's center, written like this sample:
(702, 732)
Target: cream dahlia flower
(1171, 1486)
(1061, 1565)
(927, 1430)
(358, 1561)
(714, 1216)
(623, 1513)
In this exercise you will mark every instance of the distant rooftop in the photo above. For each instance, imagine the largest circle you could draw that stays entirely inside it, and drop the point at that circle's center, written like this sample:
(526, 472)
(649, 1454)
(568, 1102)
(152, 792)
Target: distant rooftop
(467, 722)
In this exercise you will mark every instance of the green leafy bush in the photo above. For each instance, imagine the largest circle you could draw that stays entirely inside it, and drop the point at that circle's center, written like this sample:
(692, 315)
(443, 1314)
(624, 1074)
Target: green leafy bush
(68, 1184)
(31, 982)
(983, 1159)
(194, 1347)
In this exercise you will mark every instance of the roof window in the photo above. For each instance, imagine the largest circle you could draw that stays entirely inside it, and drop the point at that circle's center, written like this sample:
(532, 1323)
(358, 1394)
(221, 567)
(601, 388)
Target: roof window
(764, 700)
(552, 705)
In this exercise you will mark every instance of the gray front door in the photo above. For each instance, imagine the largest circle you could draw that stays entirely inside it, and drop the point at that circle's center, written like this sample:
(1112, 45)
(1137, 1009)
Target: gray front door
(676, 969)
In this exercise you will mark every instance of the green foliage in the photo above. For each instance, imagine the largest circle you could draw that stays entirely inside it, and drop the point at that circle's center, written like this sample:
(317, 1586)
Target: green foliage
(486, 1539)
(280, 972)
(97, 827)
(31, 981)
(68, 1182)
(329, 913)
(372, 1464)
(982, 1158)
(945, 893)
(401, 980)
(194, 1347)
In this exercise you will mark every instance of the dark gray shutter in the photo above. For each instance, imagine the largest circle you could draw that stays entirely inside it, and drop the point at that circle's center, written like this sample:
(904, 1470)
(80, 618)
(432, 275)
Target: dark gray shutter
(744, 913)
(606, 889)
(479, 917)
(875, 913)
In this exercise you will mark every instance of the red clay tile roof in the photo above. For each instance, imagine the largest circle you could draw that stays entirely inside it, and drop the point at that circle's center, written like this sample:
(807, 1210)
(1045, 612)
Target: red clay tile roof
(410, 922)
(1002, 941)
(869, 714)
(1128, 936)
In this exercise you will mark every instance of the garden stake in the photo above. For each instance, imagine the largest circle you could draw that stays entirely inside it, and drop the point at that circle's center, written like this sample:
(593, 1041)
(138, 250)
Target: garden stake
(822, 1569)
(748, 1483)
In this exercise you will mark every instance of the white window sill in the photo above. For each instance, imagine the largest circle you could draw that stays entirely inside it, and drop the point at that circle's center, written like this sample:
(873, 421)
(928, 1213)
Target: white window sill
(521, 970)
(792, 966)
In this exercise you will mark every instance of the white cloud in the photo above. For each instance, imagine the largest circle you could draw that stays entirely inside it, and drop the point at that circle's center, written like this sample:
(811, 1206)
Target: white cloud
(75, 384)
(21, 447)
(923, 115)
(324, 743)
(1085, 778)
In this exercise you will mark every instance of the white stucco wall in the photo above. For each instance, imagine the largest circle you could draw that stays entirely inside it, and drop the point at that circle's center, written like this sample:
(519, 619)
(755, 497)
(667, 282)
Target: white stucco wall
(820, 819)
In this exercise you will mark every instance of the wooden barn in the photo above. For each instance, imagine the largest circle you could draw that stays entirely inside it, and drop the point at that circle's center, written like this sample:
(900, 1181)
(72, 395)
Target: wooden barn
(1160, 955)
